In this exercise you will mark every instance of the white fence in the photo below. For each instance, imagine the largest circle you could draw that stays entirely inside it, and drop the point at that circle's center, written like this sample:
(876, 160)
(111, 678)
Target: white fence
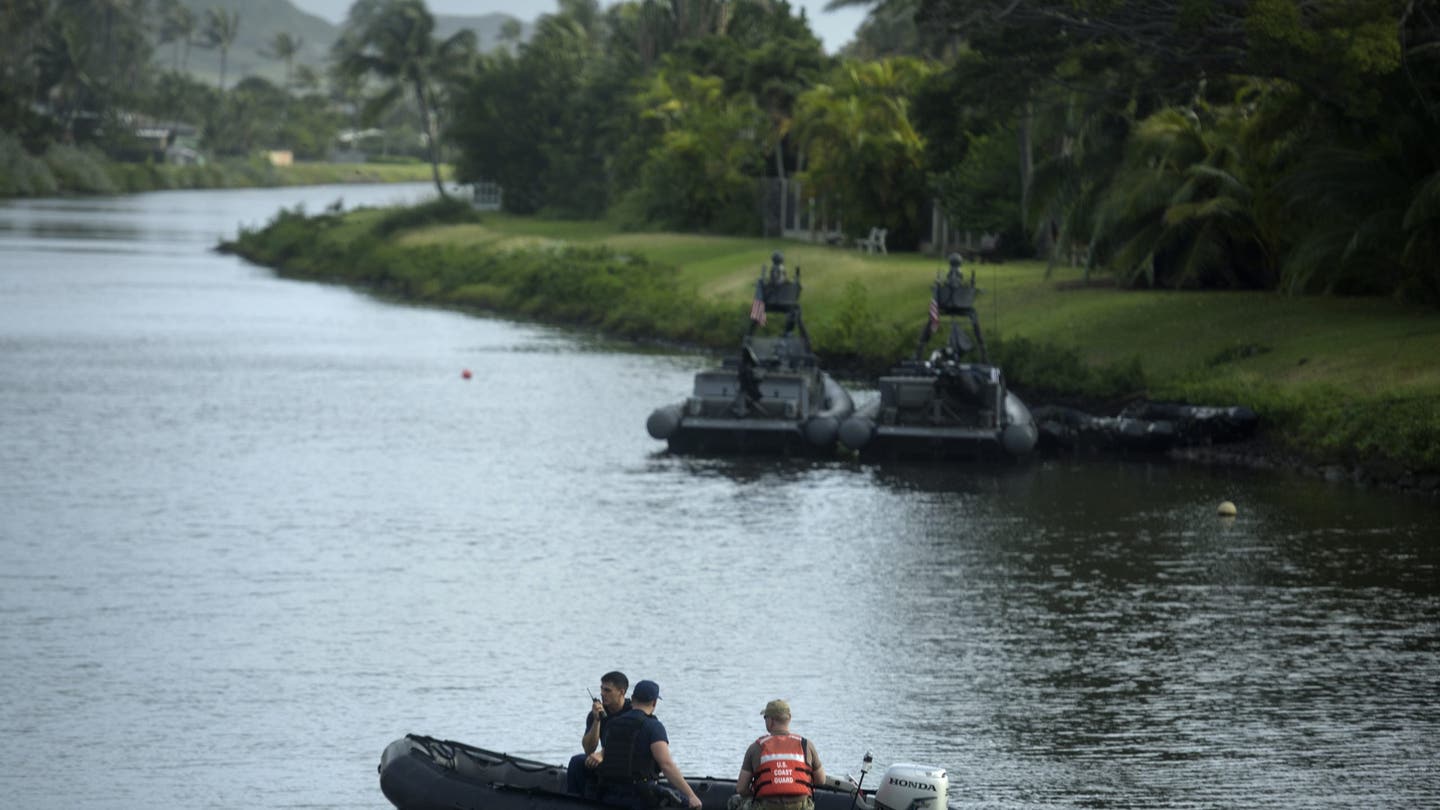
(791, 214)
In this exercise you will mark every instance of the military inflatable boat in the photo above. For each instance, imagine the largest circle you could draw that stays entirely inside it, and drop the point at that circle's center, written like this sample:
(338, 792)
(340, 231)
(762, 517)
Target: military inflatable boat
(1144, 427)
(947, 406)
(424, 773)
(772, 397)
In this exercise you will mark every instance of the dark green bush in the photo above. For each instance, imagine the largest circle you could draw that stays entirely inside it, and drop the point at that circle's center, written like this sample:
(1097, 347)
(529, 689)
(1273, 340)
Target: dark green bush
(79, 169)
(440, 211)
(1049, 369)
(23, 174)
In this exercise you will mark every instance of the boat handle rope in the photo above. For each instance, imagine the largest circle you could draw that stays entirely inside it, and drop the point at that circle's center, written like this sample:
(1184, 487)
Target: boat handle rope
(447, 753)
(441, 752)
(520, 766)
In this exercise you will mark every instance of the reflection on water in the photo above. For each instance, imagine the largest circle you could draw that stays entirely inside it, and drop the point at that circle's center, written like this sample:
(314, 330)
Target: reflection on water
(255, 529)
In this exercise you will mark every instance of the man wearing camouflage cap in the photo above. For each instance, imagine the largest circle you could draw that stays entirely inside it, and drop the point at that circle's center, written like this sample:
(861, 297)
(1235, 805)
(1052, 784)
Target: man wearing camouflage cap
(780, 769)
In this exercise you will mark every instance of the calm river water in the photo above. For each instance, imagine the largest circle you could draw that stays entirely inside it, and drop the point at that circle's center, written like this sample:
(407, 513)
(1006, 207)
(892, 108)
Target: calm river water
(252, 530)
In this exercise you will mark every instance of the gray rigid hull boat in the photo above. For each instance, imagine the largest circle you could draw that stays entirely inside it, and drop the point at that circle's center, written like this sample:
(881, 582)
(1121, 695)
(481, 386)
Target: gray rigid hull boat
(771, 398)
(947, 406)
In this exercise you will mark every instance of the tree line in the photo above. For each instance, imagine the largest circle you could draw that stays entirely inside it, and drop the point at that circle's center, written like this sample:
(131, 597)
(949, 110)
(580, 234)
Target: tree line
(1289, 145)
(85, 73)
(1266, 144)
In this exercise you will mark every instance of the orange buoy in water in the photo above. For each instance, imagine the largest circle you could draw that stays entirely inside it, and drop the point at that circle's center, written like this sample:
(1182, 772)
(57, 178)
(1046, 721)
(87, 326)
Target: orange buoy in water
(465, 373)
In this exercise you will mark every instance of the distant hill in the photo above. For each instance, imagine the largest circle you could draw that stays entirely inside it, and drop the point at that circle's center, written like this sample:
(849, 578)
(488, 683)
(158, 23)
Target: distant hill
(261, 20)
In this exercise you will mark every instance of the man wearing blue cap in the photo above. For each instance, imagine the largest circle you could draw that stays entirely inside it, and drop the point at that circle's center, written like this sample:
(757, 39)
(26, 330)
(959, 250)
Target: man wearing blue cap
(635, 751)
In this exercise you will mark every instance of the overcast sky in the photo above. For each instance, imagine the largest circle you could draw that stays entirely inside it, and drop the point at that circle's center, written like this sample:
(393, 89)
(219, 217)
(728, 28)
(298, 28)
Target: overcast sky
(835, 28)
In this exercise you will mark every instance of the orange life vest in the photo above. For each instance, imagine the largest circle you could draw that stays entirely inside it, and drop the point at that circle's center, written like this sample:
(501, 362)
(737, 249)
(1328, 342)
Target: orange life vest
(783, 770)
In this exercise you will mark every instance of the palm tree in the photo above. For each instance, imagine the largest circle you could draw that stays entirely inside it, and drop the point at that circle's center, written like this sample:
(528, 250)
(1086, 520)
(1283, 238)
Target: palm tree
(702, 172)
(653, 28)
(393, 40)
(511, 31)
(1067, 185)
(861, 144)
(307, 79)
(63, 63)
(693, 19)
(1181, 212)
(183, 24)
(1371, 217)
(221, 28)
(26, 28)
(889, 27)
(585, 13)
(165, 30)
(777, 74)
(285, 48)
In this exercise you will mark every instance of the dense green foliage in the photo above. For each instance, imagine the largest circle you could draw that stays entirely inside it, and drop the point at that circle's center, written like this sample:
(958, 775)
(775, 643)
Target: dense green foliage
(81, 79)
(623, 294)
(1273, 145)
(1276, 145)
(444, 210)
(1260, 147)
(539, 121)
(393, 40)
(865, 153)
(85, 170)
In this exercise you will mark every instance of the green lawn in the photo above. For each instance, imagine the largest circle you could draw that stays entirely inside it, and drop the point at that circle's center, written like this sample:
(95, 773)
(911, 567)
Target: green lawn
(1371, 346)
(307, 173)
(1345, 379)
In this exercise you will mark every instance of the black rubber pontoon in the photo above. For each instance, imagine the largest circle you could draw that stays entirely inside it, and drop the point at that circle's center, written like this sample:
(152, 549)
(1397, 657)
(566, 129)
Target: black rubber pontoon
(424, 773)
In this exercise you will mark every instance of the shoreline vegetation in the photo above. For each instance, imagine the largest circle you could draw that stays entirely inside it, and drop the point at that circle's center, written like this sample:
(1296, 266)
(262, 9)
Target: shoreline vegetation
(1346, 388)
(67, 170)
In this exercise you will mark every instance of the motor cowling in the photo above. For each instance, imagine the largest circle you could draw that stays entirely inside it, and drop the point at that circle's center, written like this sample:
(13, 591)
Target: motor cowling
(913, 787)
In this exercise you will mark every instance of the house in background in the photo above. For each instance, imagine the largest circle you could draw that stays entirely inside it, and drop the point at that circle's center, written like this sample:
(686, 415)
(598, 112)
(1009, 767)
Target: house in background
(171, 142)
(355, 145)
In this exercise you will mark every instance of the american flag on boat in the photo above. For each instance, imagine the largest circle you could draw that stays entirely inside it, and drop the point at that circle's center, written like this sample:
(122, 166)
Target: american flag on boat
(757, 307)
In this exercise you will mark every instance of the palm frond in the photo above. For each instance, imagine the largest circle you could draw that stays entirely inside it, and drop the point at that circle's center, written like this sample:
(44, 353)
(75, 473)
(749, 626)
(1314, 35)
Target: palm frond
(1424, 208)
(1314, 263)
(1201, 253)
(1226, 182)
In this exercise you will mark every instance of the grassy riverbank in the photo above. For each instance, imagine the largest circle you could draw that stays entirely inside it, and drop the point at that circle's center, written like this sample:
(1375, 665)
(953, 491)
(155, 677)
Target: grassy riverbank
(71, 170)
(1336, 381)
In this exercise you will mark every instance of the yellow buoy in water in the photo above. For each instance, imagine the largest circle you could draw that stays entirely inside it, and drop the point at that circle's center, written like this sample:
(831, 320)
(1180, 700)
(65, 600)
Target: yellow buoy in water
(1226, 509)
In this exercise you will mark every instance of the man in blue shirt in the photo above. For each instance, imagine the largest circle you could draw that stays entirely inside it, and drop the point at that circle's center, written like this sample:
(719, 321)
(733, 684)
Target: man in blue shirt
(611, 703)
(635, 752)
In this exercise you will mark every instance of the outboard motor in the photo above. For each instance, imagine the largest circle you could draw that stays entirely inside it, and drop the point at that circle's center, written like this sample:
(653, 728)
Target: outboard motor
(913, 787)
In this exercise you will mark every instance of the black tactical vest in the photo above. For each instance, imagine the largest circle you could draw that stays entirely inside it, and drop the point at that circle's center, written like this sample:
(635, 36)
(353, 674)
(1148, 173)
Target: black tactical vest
(626, 760)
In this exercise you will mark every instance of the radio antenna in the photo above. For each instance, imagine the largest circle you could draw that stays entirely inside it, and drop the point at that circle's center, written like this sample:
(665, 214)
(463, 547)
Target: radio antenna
(864, 769)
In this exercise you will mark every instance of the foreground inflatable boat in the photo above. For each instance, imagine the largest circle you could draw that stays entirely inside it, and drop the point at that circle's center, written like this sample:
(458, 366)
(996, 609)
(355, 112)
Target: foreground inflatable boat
(423, 773)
